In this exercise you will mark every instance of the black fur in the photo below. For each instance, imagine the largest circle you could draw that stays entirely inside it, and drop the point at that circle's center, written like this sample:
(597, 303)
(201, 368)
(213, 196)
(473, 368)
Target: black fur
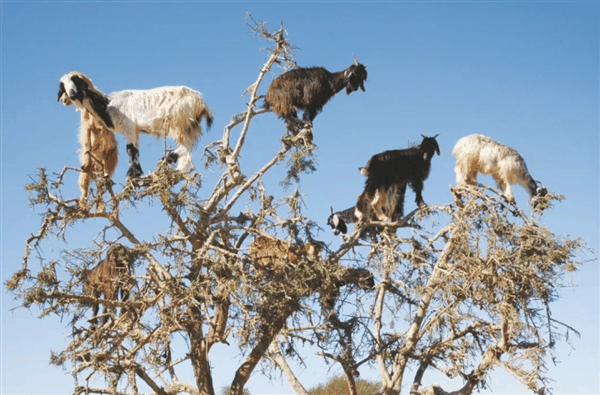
(61, 90)
(82, 88)
(171, 157)
(135, 169)
(309, 89)
(396, 168)
(100, 105)
(337, 223)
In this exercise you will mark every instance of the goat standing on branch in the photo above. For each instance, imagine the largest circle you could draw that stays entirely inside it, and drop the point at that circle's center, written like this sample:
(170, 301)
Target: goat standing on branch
(477, 153)
(387, 175)
(174, 111)
(280, 257)
(113, 275)
(309, 89)
(276, 255)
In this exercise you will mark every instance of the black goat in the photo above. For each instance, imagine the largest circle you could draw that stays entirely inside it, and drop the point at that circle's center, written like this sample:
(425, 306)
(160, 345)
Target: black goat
(309, 89)
(387, 175)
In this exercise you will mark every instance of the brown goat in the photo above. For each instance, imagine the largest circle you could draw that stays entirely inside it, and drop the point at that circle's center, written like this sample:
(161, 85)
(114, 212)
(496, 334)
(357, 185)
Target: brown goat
(111, 275)
(309, 89)
(275, 254)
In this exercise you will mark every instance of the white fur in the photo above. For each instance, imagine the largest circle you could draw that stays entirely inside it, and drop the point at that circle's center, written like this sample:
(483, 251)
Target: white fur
(174, 111)
(161, 112)
(477, 153)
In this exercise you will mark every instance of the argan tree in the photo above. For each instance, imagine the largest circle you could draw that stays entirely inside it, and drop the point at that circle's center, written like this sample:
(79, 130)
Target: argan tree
(460, 289)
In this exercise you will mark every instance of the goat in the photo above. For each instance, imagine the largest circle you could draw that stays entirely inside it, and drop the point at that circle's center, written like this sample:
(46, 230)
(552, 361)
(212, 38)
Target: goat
(279, 257)
(309, 89)
(388, 173)
(174, 111)
(339, 219)
(270, 254)
(477, 153)
(113, 275)
(99, 154)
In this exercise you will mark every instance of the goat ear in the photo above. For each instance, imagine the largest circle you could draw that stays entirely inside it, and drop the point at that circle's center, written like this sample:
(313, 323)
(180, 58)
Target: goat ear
(61, 90)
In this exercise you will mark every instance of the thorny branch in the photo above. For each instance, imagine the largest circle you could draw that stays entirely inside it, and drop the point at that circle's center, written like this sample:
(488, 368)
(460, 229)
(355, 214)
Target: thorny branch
(448, 285)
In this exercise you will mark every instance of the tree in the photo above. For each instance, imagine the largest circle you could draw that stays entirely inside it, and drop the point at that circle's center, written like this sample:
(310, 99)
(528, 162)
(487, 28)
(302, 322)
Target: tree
(460, 298)
(337, 386)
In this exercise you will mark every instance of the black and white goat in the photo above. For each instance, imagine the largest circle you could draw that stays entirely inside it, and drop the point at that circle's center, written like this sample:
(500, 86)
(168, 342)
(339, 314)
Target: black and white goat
(388, 173)
(339, 219)
(309, 89)
(477, 153)
(174, 111)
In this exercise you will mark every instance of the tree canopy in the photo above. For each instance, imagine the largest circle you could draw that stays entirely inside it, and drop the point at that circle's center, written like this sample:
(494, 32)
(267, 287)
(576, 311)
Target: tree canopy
(460, 289)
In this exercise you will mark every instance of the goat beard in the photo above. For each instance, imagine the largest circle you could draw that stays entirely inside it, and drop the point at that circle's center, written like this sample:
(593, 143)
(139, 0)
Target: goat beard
(350, 88)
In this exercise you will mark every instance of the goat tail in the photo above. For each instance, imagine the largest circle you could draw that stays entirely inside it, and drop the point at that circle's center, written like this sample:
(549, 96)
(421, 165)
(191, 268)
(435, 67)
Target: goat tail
(201, 111)
(208, 116)
(266, 104)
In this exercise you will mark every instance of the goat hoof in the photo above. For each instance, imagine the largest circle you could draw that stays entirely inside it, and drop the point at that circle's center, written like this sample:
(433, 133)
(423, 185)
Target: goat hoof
(134, 171)
(171, 157)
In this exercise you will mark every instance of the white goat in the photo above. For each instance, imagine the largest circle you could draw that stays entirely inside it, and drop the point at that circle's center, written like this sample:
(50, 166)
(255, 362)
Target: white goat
(174, 111)
(477, 153)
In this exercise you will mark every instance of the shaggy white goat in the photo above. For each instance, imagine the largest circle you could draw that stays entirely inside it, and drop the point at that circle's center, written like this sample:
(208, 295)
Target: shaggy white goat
(174, 111)
(480, 154)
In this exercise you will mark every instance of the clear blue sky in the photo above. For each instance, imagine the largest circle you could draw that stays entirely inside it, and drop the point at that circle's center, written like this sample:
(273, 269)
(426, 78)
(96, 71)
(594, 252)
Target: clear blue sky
(524, 73)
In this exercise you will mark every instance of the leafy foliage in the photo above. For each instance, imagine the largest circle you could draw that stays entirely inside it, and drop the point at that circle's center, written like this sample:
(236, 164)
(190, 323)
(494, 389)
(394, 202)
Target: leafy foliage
(339, 386)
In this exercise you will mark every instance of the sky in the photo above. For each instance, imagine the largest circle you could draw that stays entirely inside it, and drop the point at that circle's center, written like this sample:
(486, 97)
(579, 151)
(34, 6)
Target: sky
(523, 73)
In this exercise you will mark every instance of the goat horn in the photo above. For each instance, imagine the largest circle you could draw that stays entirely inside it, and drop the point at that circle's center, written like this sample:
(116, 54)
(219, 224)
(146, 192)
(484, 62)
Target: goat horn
(331, 208)
(436, 135)
(423, 136)
(355, 60)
